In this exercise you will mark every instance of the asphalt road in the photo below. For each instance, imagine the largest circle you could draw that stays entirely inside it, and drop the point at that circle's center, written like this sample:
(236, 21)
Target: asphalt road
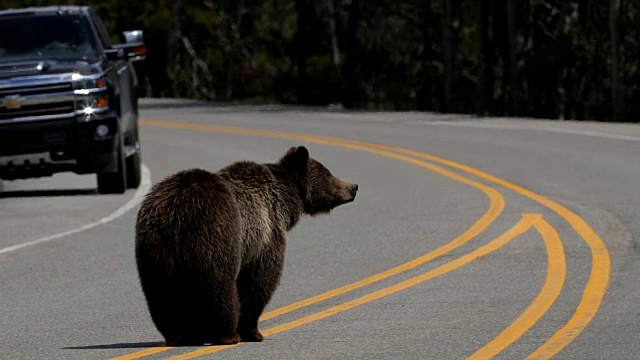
(469, 238)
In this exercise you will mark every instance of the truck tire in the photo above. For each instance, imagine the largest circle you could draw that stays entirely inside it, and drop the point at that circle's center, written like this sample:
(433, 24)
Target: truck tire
(114, 182)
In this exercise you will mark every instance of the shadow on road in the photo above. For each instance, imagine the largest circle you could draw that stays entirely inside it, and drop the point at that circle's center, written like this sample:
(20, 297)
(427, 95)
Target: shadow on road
(117, 346)
(47, 193)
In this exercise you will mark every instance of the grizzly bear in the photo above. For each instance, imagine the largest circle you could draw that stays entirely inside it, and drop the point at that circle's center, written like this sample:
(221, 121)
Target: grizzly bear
(210, 246)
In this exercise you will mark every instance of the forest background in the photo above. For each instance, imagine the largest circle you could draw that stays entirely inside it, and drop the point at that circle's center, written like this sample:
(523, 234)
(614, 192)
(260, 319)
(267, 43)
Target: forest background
(549, 59)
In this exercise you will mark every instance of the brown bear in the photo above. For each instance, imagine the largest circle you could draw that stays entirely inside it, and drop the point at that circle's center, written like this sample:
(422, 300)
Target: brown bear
(210, 246)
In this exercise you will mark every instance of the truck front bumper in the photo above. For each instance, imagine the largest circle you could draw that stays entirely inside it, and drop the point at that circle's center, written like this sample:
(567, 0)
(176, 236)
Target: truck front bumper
(42, 148)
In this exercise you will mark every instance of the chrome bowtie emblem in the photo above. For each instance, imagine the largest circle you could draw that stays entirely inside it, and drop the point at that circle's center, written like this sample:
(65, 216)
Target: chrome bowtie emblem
(12, 102)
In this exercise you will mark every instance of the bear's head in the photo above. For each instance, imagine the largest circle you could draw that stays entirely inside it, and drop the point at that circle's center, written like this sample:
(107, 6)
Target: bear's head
(320, 190)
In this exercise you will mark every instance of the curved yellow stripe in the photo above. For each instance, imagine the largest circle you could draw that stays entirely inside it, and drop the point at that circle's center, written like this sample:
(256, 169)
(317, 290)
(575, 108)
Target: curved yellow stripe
(519, 228)
(143, 353)
(556, 271)
(596, 286)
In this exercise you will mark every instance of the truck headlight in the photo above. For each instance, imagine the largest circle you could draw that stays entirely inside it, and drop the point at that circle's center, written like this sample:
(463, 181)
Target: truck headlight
(90, 94)
(97, 101)
(84, 83)
(90, 104)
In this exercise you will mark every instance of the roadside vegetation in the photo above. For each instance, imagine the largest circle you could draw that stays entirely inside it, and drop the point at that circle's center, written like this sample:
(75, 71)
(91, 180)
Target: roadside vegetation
(548, 59)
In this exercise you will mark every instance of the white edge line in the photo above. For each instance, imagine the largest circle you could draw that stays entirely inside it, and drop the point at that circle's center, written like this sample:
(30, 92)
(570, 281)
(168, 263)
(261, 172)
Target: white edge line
(543, 129)
(143, 189)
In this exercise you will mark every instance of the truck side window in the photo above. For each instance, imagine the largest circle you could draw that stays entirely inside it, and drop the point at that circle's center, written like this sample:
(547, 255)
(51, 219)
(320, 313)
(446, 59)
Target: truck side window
(102, 30)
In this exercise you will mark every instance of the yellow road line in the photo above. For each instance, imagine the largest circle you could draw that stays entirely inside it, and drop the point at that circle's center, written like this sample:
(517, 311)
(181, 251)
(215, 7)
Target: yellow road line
(496, 206)
(596, 286)
(526, 222)
(556, 271)
(143, 353)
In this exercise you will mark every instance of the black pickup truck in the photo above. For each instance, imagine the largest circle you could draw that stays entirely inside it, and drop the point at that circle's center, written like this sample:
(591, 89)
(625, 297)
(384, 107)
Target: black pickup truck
(68, 97)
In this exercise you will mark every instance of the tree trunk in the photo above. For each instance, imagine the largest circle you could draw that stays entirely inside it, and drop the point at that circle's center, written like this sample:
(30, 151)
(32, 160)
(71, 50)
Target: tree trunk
(240, 10)
(485, 59)
(350, 96)
(430, 91)
(174, 40)
(616, 84)
(517, 24)
(451, 48)
(333, 33)
(301, 46)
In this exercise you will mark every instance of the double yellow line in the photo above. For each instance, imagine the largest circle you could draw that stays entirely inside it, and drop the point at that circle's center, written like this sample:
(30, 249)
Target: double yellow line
(555, 271)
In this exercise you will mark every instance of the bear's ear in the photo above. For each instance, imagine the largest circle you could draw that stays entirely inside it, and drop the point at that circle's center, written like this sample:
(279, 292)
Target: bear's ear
(297, 158)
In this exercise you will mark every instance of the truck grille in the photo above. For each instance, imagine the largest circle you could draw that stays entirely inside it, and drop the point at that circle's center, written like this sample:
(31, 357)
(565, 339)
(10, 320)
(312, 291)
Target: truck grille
(37, 110)
(36, 90)
(33, 101)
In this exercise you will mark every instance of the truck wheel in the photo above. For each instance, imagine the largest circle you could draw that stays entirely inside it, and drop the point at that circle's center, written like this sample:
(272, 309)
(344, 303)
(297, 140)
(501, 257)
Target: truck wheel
(134, 173)
(115, 182)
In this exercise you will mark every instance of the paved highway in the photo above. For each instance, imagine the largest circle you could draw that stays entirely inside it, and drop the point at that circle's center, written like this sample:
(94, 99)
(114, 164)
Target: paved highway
(469, 238)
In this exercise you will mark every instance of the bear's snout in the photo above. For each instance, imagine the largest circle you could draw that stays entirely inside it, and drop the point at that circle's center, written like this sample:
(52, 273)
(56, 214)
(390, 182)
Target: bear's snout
(353, 189)
(350, 190)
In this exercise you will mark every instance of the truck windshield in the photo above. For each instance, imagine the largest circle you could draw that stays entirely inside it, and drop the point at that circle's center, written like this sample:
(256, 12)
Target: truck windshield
(46, 38)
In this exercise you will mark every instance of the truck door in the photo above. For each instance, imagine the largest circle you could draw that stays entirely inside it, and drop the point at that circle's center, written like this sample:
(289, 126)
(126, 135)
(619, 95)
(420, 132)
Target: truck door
(119, 73)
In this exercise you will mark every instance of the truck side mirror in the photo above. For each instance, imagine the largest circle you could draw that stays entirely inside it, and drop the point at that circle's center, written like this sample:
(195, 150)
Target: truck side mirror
(133, 36)
(134, 45)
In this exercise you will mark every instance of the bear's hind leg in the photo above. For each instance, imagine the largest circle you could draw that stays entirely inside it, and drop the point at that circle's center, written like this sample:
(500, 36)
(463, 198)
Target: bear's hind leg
(253, 299)
(256, 284)
(166, 303)
(218, 319)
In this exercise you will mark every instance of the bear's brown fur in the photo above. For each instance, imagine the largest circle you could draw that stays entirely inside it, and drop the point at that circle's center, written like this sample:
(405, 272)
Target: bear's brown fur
(210, 246)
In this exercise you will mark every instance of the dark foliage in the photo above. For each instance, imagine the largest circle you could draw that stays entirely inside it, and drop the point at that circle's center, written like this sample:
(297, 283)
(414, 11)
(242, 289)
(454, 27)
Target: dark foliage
(534, 58)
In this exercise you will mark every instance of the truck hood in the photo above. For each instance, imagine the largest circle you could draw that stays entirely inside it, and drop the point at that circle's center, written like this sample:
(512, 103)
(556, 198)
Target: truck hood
(47, 67)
